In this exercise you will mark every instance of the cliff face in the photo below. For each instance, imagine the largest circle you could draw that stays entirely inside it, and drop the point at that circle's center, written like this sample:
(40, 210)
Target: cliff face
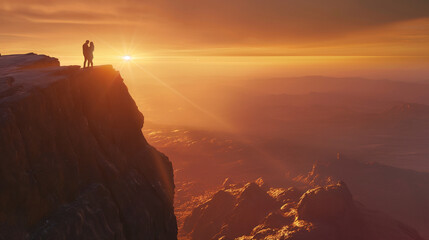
(74, 163)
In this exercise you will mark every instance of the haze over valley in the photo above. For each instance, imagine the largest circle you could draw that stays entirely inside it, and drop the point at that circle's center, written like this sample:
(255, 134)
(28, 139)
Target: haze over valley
(278, 128)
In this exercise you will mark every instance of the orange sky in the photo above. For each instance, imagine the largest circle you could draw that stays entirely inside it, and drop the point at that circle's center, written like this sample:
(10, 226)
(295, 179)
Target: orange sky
(217, 27)
(184, 42)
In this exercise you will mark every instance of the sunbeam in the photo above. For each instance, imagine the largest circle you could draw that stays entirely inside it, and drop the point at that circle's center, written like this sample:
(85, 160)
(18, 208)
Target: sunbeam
(213, 116)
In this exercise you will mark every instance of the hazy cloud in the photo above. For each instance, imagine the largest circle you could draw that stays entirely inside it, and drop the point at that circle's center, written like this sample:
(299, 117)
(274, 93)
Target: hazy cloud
(196, 23)
(280, 20)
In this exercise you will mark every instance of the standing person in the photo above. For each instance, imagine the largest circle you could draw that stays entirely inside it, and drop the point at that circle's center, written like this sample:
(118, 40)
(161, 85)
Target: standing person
(85, 50)
(91, 54)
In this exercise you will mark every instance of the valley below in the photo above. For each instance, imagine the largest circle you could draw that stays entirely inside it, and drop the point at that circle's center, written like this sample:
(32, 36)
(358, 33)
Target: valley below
(371, 134)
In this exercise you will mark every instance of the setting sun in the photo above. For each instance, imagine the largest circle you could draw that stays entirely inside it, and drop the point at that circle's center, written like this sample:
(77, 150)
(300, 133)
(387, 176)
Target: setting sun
(126, 58)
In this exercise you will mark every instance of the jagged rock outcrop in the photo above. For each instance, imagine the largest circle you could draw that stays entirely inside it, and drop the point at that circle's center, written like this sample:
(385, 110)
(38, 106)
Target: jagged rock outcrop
(322, 213)
(326, 204)
(74, 163)
(231, 212)
(332, 209)
(400, 193)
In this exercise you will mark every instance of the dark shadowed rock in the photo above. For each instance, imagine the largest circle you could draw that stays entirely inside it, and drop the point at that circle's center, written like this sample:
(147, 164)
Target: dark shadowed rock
(333, 210)
(330, 204)
(87, 218)
(206, 220)
(74, 163)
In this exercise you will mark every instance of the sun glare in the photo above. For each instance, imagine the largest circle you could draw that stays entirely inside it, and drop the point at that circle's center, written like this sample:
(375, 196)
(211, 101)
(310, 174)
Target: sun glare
(126, 58)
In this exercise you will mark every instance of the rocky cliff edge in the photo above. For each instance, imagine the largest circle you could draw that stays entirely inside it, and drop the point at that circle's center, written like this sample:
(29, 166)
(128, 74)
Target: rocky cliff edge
(74, 163)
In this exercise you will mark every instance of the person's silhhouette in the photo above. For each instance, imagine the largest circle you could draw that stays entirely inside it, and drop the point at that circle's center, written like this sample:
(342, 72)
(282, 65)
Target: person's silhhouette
(91, 54)
(85, 49)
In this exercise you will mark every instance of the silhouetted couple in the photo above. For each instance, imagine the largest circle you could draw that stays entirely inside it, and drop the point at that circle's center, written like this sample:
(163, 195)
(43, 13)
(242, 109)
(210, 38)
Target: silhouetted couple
(88, 53)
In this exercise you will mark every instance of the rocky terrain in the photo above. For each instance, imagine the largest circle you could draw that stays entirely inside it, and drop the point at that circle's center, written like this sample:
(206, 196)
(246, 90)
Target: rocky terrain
(255, 211)
(398, 192)
(74, 162)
